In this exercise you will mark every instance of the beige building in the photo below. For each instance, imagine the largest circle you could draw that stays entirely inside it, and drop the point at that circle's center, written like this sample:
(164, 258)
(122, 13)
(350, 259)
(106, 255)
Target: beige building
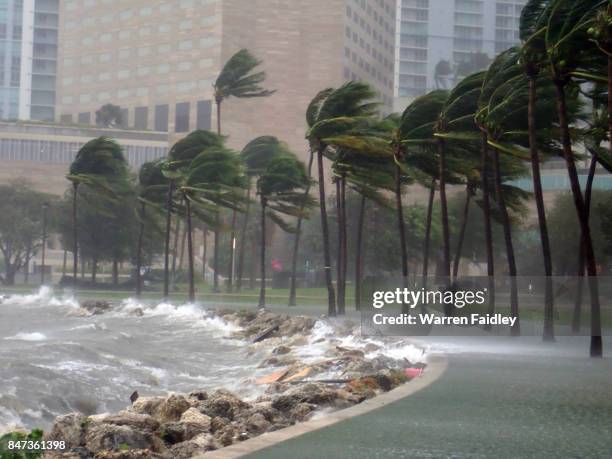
(42, 152)
(158, 59)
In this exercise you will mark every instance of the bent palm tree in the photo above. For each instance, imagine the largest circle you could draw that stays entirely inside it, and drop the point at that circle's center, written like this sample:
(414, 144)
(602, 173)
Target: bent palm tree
(100, 164)
(256, 155)
(332, 112)
(239, 79)
(280, 190)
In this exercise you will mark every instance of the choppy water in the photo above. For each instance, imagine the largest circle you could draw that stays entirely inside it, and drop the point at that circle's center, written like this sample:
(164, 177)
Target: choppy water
(54, 361)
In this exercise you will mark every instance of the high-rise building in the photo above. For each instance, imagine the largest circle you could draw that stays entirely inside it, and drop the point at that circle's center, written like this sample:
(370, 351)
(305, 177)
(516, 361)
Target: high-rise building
(28, 57)
(440, 41)
(158, 60)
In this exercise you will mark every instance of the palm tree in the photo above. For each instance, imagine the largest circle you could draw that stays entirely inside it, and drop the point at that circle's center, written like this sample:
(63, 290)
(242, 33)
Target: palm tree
(280, 190)
(568, 47)
(180, 157)
(152, 183)
(256, 156)
(332, 112)
(214, 179)
(239, 79)
(296, 242)
(100, 164)
(455, 124)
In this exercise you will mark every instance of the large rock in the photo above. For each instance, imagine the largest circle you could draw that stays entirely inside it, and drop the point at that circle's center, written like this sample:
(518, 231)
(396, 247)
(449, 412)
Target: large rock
(199, 445)
(131, 454)
(70, 429)
(111, 437)
(222, 403)
(96, 307)
(192, 424)
(313, 393)
(163, 409)
(128, 418)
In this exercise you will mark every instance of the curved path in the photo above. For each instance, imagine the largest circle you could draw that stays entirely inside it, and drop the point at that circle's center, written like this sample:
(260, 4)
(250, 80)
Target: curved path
(495, 400)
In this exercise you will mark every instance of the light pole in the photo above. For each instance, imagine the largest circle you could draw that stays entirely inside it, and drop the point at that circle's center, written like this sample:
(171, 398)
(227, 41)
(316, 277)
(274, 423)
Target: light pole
(45, 207)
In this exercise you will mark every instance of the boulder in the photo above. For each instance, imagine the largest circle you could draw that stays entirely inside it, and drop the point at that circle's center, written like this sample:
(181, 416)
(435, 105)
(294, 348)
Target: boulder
(111, 437)
(128, 418)
(192, 448)
(195, 417)
(281, 350)
(197, 396)
(218, 423)
(130, 454)
(96, 307)
(257, 424)
(226, 435)
(222, 403)
(163, 409)
(301, 412)
(69, 428)
(313, 393)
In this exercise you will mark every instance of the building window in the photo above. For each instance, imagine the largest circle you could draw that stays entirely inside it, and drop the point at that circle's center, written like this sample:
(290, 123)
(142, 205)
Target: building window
(84, 118)
(141, 118)
(66, 119)
(181, 119)
(204, 115)
(124, 118)
(161, 118)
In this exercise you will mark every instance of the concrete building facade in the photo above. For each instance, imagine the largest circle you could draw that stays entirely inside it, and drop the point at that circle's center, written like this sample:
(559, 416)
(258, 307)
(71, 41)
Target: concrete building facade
(42, 153)
(158, 59)
(28, 59)
(439, 41)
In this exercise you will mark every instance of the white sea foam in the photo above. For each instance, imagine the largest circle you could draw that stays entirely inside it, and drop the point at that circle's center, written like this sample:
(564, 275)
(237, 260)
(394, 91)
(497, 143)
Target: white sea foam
(27, 337)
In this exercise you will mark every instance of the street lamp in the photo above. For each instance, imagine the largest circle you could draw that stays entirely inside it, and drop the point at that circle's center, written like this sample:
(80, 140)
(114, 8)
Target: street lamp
(45, 207)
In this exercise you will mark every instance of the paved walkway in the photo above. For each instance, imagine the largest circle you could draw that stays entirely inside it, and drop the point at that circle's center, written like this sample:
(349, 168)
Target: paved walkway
(495, 400)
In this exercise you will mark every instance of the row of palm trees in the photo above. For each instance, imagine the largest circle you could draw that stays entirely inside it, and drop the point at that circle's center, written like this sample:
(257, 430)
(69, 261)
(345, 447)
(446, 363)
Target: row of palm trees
(536, 100)
(529, 105)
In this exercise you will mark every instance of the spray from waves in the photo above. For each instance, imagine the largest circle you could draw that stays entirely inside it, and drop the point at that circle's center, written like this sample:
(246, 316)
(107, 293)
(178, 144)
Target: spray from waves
(45, 296)
(189, 312)
(323, 332)
(27, 337)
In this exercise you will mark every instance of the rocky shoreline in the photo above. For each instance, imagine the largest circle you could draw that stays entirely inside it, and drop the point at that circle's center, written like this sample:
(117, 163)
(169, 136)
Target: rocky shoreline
(296, 385)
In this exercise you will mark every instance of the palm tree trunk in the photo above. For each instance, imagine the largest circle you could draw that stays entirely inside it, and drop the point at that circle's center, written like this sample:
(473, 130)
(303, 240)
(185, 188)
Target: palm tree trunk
(64, 263)
(296, 242)
(115, 272)
(432, 195)
(167, 241)
(399, 208)
(204, 251)
(190, 251)
(216, 254)
(218, 100)
(505, 220)
(549, 332)
(94, 269)
(358, 255)
(182, 252)
(232, 242)
(486, 204)
(340, 254)
(262, 260)
(245, 224)
(139, 251)
(596, 349)
(344, 240)
(445, 227)
(175, 253)
(75, 234)
(331, 294)
(587, 202)
(466, 213)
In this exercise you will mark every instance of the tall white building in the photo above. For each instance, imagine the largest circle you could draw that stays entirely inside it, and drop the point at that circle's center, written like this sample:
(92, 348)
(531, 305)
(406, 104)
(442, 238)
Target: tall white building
(440, 41)
(28, 58)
